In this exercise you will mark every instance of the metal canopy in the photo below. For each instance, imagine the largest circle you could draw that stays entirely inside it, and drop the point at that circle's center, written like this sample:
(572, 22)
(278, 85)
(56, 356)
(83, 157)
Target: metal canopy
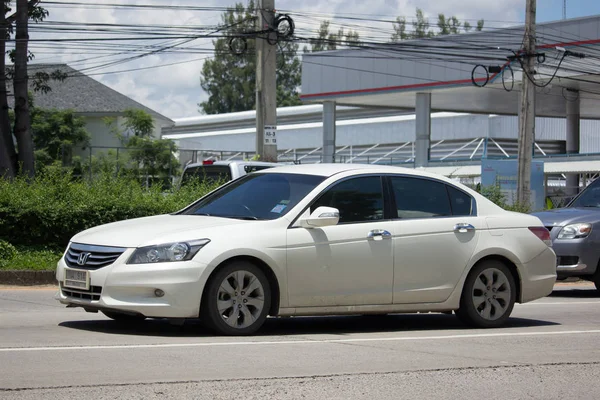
(390, 75)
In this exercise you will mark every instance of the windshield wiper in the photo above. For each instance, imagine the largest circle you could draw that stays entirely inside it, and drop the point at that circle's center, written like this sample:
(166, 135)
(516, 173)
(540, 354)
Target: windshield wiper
(244, 217)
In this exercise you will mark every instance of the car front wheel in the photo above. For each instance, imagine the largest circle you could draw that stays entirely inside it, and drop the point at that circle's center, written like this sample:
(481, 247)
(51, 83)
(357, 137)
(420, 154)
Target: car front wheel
(237, 299)
(488, 296)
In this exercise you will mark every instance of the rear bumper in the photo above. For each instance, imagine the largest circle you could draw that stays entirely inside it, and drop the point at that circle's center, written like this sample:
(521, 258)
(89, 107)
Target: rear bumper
(538, 276)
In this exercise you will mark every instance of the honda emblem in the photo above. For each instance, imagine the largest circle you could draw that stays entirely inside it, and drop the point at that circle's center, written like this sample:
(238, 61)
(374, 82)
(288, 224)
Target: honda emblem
(83, 257)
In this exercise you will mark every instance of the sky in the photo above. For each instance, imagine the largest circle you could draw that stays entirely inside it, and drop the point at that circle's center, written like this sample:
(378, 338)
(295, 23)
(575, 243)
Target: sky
(169, 82)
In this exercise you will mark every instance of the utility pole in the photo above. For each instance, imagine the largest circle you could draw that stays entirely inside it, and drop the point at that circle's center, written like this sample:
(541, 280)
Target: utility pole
(564, 9)
(527, 109)
(266, 83)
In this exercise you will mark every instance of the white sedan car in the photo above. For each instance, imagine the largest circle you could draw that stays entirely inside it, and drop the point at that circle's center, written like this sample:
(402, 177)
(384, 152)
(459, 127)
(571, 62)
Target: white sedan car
(324, 239)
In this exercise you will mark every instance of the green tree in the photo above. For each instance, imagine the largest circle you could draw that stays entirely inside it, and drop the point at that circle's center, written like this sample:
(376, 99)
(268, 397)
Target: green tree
(149, 157)
(400, 30)
(422, 29)
(229, 79)
(421, 26)
(55, 134)
(9, 157)
(327, 40)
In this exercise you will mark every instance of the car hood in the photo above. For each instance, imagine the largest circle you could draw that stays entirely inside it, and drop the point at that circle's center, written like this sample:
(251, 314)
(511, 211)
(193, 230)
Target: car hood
(155, 230)
(569, 215)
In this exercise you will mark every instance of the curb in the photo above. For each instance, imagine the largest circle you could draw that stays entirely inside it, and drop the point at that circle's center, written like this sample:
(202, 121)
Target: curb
(27, 278)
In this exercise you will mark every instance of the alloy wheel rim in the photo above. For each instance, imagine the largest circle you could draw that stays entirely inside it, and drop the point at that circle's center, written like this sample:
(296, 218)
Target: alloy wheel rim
(240, 299)
(491, 294)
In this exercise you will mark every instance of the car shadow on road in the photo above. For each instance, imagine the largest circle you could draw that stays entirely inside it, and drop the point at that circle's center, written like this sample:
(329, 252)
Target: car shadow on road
(579, 293)
(336, 325)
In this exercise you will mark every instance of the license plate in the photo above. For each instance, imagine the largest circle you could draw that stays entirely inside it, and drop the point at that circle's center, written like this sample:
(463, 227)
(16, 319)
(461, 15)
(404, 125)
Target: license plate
(76, 278)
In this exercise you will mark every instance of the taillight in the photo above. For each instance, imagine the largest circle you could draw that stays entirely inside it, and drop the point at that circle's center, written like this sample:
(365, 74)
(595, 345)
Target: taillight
(542, 233)
(208, 162)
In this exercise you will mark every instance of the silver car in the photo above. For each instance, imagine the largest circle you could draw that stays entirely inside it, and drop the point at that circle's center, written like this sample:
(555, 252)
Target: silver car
(575, 233)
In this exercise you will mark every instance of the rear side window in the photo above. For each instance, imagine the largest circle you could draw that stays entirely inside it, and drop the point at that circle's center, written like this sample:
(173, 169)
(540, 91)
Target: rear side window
(462, 203)
(207, 173)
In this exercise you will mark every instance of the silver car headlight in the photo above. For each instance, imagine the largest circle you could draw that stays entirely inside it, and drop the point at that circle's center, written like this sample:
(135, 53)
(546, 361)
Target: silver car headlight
(167, 252)
(575, 231)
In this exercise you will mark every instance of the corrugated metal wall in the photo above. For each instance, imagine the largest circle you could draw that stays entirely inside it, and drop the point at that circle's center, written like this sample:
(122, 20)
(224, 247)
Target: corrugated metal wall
(390, 130)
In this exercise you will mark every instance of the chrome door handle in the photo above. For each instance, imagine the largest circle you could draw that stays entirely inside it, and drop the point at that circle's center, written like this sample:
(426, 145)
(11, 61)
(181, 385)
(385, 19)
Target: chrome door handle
(463, 228)
(379, 234)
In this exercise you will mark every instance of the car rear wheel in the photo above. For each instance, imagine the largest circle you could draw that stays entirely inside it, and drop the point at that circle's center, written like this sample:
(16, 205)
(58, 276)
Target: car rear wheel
(488, 296)
(121, 317)
(237, 299)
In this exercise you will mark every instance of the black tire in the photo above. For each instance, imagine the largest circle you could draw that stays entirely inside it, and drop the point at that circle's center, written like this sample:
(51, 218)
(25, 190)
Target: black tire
(121, 317)
(498, 297)
(248, 317)
(597, 283)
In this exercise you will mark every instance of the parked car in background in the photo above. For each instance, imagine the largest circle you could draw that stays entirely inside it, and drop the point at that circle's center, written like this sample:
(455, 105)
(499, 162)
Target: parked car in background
(575, 232)
(221, 171)
(321, 239)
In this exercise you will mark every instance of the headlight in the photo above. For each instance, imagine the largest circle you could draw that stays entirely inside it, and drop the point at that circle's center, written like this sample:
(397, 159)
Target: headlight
(575, 231)
(168, 252)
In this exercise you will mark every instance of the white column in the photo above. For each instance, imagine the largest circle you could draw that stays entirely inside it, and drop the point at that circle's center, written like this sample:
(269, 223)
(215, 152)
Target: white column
(423, 129)
(328, 132)
(573, 137)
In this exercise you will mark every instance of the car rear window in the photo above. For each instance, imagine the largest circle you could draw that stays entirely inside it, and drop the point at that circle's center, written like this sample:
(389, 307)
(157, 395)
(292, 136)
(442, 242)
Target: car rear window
(206, 173)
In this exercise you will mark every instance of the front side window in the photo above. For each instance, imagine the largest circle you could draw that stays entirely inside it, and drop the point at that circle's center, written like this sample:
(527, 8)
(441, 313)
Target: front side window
(256, 196)
(357, 199)
(420, 198)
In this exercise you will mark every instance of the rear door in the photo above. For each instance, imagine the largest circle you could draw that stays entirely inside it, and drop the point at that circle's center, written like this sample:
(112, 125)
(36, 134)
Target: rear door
(436, 232)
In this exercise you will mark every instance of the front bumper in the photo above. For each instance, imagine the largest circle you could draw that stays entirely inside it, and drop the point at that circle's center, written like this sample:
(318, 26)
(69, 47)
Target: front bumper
(576, 257)
(131, 288)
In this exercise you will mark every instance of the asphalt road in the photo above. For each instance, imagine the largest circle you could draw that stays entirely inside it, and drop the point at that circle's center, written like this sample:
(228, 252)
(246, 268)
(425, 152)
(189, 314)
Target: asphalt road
(549, 350)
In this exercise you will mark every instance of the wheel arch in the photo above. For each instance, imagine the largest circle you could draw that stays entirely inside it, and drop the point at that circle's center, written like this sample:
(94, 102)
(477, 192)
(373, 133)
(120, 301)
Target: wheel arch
(264, 267)
(512, 267)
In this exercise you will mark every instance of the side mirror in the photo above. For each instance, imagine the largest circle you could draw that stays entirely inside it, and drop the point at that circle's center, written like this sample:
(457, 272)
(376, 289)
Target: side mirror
(322, 216)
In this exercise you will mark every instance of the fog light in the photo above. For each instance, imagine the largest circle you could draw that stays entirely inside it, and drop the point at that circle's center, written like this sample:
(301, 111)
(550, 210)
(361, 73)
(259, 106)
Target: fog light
(159, 293)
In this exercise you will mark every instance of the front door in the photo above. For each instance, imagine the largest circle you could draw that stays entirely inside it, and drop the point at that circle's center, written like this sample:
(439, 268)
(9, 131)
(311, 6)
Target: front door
(347, 264)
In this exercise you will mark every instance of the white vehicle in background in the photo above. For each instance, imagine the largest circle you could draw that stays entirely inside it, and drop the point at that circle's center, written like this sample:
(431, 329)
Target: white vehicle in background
(222, 171)
(321, 239)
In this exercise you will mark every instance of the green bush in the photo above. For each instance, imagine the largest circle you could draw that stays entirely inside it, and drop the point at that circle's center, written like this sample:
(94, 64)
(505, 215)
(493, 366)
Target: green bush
(7, 252)
(495, 195)
(54, 207)
(32, 258)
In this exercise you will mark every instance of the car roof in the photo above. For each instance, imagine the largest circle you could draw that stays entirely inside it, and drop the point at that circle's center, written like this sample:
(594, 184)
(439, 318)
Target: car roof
(226, 163)
(328, 170)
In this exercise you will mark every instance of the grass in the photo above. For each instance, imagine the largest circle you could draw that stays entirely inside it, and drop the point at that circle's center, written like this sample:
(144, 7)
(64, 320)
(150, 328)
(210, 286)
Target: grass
(32, 259)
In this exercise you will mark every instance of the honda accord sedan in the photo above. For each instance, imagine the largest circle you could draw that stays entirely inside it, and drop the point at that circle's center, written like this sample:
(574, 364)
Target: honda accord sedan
(327, 239)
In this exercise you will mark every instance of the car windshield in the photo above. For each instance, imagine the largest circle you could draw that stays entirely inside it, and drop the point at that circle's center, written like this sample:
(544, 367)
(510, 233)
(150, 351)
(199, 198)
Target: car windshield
(590, 197)
(256, 196)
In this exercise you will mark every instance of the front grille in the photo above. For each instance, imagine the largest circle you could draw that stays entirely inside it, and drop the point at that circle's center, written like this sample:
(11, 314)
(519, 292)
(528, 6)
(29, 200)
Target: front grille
(92, 294)
(85, 256)
(567, 260)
